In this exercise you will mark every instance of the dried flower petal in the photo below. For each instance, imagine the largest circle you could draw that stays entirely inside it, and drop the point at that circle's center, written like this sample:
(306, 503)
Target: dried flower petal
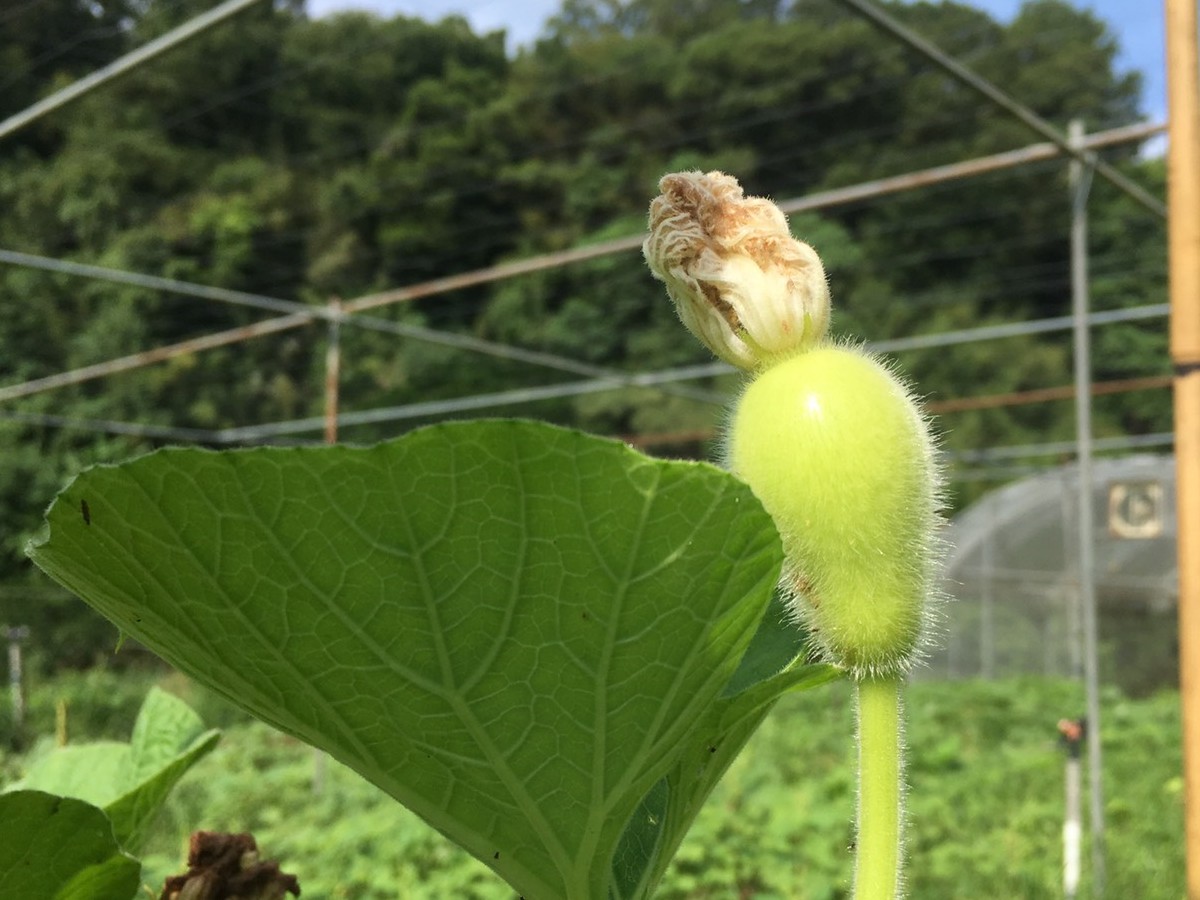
(227, 867)
(740, 282)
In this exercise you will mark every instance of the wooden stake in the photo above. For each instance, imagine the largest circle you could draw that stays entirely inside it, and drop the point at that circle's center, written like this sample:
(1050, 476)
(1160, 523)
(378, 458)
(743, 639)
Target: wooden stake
(1183, 189)
(333, 369)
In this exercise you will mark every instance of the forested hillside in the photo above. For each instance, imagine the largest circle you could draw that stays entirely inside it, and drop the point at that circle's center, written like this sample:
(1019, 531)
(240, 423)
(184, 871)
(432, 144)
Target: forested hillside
(311, 159)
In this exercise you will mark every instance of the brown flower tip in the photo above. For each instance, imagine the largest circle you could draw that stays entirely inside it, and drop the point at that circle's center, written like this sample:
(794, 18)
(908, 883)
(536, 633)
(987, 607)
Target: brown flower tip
(739, 280)
(227, 867)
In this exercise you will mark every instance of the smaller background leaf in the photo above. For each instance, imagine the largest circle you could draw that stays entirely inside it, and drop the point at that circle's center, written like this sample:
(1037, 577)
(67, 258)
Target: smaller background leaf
(168, 739)
(89, 772)
(165, 727)
(61, 848)
(129, 781)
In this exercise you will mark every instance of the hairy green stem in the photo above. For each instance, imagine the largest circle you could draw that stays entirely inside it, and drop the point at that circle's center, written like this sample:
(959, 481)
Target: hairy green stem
(880, 789)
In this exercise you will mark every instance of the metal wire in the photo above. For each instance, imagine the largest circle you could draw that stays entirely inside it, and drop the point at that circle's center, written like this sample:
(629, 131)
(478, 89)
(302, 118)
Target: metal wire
(1006, 102)
(126, 63)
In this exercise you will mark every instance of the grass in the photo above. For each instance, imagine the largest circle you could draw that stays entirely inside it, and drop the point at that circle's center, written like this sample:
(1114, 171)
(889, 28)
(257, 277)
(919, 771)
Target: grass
(985, 805)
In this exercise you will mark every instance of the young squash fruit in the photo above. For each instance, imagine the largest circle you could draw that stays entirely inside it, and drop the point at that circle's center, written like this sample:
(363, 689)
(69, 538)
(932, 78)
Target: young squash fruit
(833, 446)
(827, 436)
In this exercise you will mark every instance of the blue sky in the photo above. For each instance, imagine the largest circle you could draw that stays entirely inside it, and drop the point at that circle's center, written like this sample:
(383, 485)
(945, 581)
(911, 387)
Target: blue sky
(1137, 24)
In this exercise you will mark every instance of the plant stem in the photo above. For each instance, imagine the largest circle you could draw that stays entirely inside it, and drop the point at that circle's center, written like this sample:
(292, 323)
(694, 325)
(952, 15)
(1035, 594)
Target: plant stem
(880, 792)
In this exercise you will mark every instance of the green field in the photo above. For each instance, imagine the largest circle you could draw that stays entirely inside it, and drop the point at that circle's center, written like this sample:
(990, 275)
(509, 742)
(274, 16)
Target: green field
(986, 803)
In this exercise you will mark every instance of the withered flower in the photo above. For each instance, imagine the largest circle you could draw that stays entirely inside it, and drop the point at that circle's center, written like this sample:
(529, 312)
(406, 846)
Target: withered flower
(740, 282)
(228, 867)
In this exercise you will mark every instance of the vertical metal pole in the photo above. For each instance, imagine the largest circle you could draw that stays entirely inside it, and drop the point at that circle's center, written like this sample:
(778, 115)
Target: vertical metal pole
(1081, 177)
(333, 368)
(987, 625)
(1072, 600)
(14, 636)
(16, 688)
(1183, 189)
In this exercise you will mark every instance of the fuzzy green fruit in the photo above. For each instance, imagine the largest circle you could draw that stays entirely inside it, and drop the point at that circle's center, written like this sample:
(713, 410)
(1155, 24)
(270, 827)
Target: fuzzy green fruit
(834, 447)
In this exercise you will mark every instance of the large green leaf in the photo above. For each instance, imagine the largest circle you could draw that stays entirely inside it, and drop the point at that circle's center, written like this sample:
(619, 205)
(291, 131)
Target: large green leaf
(516, 630)
(58, 848)
(128, 781)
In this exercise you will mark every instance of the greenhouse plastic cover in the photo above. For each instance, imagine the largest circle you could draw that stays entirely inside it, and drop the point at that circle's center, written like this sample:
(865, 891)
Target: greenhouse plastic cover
(1026, 532)
(1011, 572)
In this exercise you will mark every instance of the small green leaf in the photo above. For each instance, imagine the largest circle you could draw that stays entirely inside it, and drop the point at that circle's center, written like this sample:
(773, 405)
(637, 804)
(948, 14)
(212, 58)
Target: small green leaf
(59, 848)
(91, 772)
(168, 739)
(514, 629)
(128, 781)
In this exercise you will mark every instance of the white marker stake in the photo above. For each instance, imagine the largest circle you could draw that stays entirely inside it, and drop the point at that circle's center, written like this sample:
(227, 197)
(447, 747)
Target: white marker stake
(1072, 732)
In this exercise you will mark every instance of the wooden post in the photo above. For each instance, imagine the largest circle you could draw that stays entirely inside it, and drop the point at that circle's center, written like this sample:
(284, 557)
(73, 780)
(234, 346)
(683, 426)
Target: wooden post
(333, 370)
(60, 722)
(1183, 191)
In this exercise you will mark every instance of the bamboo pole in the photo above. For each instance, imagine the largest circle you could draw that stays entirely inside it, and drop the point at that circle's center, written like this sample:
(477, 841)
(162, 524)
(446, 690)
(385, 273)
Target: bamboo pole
(333, 371)
(1183, 190)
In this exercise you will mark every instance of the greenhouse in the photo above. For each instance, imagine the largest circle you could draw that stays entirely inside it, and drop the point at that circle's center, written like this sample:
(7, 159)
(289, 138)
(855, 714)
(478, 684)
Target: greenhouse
(1013, 575)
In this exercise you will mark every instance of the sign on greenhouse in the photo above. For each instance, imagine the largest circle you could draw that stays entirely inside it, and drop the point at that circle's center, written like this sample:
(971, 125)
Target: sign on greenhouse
(1135, 509)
